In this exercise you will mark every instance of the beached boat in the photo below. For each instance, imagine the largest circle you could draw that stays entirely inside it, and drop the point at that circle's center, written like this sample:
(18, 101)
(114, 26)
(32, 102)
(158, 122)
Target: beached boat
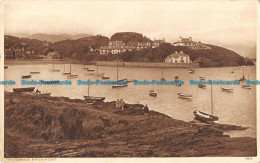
(35, 72)
(26, 76)
(227, 89)
(28, 89)
(205, 117)
(246, 86)
(92, 98)
(105, 77)
(5, 66)
(153, 93)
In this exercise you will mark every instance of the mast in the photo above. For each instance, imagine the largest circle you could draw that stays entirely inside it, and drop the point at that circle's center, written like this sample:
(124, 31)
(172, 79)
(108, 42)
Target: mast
(64, 68)
(211, 101)
(97, 69)
(243, 72)
(162, 72)
(88, 89)
(117, 70)
(53, 66)
(70, 67)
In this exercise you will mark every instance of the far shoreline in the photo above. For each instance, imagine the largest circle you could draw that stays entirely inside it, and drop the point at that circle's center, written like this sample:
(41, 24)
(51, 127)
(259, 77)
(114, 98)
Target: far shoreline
(101, 63)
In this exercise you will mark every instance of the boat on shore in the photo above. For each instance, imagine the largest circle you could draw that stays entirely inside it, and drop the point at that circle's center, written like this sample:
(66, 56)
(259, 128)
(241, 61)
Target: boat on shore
(227, 89)
(92, 98)
(28, 89)
(26, 76)
(153, 93)
(35, 72)
(205, 117)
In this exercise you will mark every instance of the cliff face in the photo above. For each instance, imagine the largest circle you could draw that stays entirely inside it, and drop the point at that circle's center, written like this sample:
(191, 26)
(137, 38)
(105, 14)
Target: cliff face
(38, 126)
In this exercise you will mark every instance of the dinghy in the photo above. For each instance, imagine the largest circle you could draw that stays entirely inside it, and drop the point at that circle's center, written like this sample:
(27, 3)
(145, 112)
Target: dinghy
(153, 93)
(246, 86)
(26, 76)
(227, 89)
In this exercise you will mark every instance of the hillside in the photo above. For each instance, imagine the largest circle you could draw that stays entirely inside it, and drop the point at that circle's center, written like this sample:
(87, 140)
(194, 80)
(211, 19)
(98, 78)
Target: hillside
(128, 37)
(40, 126)
(51, 37)
(216, 57)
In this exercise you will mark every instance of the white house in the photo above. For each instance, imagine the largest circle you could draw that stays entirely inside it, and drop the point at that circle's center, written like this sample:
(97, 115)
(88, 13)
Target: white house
(177, 57)
(185, 42)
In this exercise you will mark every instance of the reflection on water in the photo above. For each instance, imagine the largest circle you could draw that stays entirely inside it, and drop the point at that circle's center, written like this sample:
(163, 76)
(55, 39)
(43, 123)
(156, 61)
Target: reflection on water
(238, 108)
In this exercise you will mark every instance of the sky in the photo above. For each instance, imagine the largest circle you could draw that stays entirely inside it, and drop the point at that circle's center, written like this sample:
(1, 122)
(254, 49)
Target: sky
(231, 24)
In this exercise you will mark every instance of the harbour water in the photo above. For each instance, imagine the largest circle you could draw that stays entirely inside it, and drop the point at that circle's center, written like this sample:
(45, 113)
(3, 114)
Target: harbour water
(237, 108)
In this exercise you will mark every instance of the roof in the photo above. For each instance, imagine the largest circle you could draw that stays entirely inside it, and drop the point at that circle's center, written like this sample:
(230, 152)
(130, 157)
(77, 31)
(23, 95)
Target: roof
(179, 54)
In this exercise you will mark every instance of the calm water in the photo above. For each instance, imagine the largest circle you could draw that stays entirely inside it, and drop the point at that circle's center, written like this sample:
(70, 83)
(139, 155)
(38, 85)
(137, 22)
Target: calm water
(238, 108)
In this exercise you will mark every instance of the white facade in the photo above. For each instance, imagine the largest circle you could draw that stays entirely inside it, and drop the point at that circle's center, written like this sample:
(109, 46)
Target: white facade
(177, 57)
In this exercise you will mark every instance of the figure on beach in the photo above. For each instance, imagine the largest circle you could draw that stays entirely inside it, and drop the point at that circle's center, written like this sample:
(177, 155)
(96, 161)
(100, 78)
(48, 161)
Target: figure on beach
(120, 104)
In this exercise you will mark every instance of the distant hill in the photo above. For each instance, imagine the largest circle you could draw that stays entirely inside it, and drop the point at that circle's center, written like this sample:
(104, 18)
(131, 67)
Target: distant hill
(51, 37)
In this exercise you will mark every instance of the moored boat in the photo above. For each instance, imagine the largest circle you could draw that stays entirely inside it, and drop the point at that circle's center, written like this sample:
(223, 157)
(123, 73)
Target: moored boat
(227, 89)
(105, 77)
(119, 85)
(26, 76)
(153, 93)
(201, 85)
(191, 71)
(35, 72)
(246, 86)
(202, 78)
(5, 66)
(66, 73)
(90, 70)
(186, 95)
(28, 89)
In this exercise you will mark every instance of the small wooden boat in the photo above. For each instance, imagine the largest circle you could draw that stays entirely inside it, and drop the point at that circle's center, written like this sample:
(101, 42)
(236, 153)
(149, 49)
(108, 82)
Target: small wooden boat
(105, 77)
(28, 89)
(204, 117)
(163, 79)
(5, 66)
(72, 76)
(55, 70)
(119, 85)
(35, 72)
(246, 86)
(227, 89)
(191, 71)
(66, 73)
(201, 86)
(185, 95)
(90, 70)
(153, 93)
(92, 98)
(26, 76)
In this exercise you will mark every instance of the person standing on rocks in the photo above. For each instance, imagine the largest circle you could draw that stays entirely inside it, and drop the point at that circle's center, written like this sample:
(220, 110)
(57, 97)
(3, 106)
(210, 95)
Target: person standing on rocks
(146, 110)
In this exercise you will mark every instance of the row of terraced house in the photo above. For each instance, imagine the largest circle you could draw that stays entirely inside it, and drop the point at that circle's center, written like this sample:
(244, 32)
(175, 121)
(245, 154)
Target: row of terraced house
(115, 47)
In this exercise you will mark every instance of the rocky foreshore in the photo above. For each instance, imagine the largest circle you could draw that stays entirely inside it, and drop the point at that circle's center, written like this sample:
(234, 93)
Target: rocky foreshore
(40, 126)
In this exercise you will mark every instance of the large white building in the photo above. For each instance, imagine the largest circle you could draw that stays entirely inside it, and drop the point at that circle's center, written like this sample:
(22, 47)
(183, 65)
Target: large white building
(177, 57)
(185, 42)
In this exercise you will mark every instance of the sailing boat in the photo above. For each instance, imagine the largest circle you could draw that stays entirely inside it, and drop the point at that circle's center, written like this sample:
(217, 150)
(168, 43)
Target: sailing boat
(246, 86)
(64, 72)
(243, 78)
(70, 75)
(162, 79)
(53, 70)
(85, 68)
(122, 81)
(92, 98)
(99, 75)
(205, 117)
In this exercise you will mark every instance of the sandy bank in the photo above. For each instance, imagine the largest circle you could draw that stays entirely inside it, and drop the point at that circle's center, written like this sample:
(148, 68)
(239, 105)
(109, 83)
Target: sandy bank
(38, 126)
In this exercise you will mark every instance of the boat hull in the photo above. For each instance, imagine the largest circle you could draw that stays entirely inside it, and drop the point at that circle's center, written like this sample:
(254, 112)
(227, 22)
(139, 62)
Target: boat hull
(204, 117)
(92, 98)
(34, 72)
(29, 89)
(26, 76)
(119, 86)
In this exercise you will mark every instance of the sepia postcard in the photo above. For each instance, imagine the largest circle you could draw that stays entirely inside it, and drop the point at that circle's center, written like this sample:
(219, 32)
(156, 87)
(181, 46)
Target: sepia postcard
(129, 81)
